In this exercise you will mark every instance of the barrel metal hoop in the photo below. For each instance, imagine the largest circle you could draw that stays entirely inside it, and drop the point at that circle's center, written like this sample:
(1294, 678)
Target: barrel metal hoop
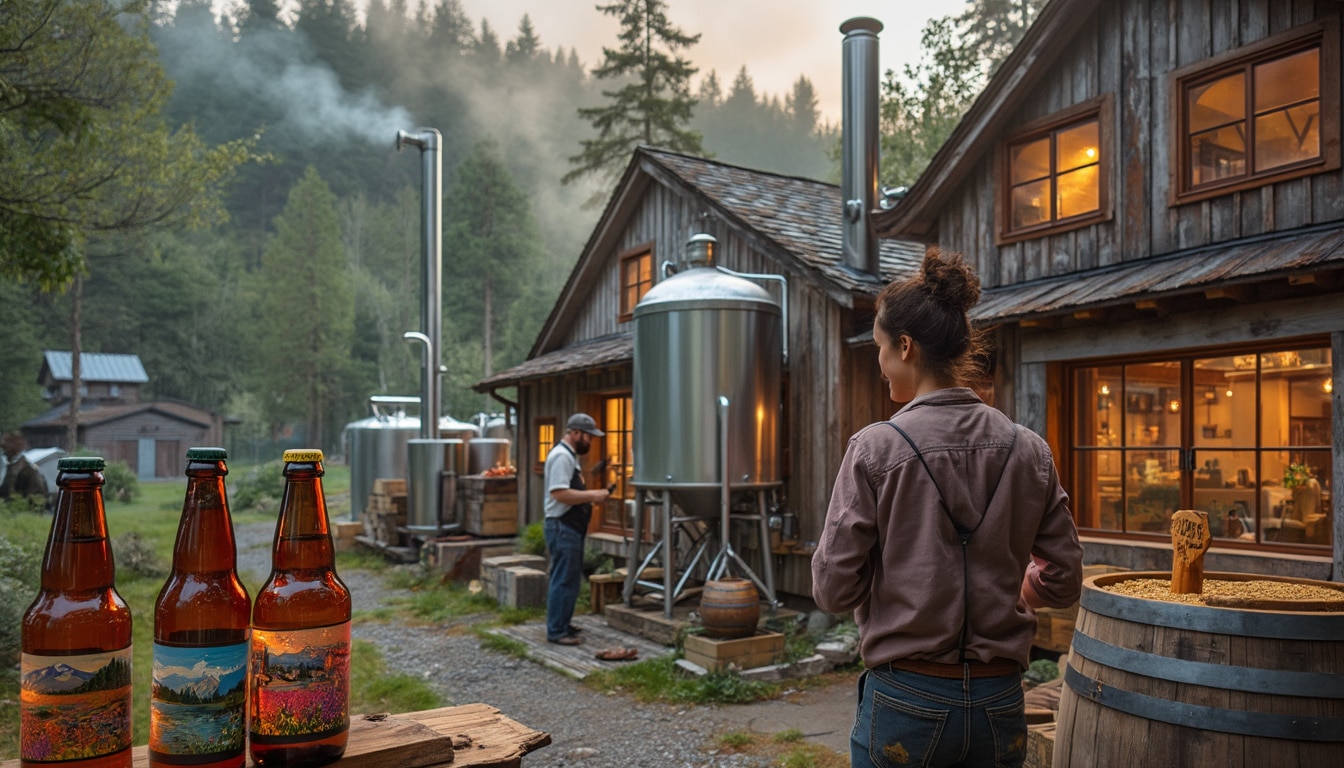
(1281, 625)
(1261, 724)
(1319, 685)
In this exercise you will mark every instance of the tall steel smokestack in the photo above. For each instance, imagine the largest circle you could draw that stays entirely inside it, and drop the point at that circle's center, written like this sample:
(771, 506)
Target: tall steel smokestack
(858, 185)
(428, 141)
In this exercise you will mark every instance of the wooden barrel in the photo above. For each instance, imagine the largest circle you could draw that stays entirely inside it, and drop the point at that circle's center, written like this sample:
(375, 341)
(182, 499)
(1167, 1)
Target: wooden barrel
(1155, 683)
(730, 608)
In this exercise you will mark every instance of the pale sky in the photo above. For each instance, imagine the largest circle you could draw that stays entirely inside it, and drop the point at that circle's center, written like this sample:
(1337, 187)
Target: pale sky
(777, 40)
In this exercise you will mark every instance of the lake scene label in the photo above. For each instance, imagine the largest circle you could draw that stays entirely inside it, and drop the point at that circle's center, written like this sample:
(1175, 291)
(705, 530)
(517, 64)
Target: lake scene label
(198, 703)
(300, 684)
(74, 707)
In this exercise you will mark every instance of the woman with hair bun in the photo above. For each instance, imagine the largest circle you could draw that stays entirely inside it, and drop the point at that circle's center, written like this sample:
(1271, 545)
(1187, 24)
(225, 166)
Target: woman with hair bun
(946, 528)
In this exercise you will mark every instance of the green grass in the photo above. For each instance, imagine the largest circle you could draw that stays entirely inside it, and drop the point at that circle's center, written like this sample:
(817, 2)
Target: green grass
(658, 679)
(373, 689)
(154, 515)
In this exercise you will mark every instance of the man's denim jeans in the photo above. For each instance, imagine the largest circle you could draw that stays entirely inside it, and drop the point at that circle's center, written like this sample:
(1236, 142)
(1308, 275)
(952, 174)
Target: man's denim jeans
(566, 547)
(907, 719)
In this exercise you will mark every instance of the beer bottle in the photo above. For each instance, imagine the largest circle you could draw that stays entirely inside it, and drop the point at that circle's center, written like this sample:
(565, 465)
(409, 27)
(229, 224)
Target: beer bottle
(198, 711)
(299, 690)
(75, 687)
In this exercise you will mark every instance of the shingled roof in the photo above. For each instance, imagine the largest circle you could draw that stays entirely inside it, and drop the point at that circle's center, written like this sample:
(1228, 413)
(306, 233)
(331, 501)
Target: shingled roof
(801, 216)
(793, 220)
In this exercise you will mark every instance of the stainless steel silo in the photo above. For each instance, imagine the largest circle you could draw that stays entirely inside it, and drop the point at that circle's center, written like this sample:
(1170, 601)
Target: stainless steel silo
(376, 447)
(702, 334)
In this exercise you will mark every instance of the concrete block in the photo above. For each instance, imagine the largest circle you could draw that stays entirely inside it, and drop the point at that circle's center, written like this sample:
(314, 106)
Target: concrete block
(522, 587)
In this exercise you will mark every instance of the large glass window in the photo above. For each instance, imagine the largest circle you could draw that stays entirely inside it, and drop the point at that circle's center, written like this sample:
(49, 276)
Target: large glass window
(1245, 437)
(1258, 116)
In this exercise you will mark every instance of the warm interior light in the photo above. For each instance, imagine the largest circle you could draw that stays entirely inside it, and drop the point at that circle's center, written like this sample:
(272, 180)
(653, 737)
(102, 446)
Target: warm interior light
(1091, 152)
(1329, 385)
(1174, 406)
(1105, 389)
(1228, 392)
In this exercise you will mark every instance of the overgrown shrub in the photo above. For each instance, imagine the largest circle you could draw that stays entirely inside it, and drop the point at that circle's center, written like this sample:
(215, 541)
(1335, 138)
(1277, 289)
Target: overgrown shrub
(532, 541)
(134, 554)
(260, 488)
(120, 483)
(20, 576)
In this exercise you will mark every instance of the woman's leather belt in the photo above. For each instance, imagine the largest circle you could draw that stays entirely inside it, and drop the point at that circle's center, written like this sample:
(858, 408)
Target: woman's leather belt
(995, 668)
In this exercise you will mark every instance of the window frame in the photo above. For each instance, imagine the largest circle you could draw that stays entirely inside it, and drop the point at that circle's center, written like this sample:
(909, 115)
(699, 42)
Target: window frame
(626, 311)
(1100, 107)
(1189, 448)
(1323, 35)
(543, 447)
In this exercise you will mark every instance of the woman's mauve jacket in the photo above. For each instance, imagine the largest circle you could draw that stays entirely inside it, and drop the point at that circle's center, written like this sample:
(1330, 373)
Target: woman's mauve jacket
(890, 553)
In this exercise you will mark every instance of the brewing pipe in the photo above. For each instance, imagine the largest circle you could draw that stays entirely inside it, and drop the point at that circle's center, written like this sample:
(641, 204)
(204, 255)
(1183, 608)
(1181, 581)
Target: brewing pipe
(429, 142)
(426, 356)
(726, 493)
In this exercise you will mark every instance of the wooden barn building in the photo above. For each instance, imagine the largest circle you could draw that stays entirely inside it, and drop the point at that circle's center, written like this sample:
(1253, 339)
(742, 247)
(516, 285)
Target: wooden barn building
(1152, 193)
(764, 224)
(151, 437)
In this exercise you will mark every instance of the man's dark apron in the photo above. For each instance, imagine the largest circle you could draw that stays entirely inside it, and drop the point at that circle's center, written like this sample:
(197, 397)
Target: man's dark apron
(578, 515)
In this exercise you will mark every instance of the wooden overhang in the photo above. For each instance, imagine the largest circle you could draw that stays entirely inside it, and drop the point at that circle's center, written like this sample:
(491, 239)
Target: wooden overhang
(604, 352)
(1298, 262)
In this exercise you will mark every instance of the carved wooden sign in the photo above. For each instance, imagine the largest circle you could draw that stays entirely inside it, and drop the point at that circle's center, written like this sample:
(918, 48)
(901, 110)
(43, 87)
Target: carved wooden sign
(1190, 539)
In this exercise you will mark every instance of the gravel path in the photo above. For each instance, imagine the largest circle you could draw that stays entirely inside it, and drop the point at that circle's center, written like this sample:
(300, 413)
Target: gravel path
(587, 728)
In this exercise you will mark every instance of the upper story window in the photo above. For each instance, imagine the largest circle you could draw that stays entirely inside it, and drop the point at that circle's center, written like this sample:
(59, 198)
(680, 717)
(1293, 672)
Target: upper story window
(1258, 114)
(636, 279)
(1055, 173)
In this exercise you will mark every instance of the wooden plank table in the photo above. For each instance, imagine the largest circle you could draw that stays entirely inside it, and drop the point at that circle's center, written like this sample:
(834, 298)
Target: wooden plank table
(477, 735)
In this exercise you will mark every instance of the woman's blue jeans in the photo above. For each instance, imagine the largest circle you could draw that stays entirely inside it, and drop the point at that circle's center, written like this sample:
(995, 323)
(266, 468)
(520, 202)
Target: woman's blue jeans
(566, 548)
(908, 719)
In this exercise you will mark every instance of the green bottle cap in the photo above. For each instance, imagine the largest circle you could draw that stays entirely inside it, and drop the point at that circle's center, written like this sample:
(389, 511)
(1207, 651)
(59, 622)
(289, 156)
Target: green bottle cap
(302, 455)
(207, 454)
(81, 464)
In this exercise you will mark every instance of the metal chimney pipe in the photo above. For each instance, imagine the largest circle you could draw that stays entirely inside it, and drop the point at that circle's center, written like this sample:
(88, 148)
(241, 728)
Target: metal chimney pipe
(429, 141)
(859, 142)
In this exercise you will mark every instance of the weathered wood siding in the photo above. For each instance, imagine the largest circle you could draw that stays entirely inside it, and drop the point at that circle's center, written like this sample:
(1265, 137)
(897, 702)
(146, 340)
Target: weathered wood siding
(1128, 50)
(119, 440)
(832, 389)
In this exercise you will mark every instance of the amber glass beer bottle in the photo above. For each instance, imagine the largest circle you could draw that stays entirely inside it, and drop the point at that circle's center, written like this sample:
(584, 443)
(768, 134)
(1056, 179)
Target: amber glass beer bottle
(299, 692)
(198, 698)
(75, 687)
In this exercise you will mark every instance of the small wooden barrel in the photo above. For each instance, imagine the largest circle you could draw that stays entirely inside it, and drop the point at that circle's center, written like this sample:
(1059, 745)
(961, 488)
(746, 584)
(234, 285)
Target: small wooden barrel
(730, 608)
(1155, 683)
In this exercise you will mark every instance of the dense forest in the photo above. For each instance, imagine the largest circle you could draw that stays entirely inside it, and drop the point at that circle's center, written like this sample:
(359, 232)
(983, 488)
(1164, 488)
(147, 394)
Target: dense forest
(322, 234)
(288, 312)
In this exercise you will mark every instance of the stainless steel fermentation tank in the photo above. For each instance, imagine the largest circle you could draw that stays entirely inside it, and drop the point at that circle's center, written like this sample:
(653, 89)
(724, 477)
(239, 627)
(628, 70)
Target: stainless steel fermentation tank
(703, 336)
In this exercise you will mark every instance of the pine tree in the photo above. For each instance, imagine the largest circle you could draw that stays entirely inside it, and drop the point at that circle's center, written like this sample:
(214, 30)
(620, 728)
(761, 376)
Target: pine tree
(801, 105)
(85, 145)
(524, 48)
(652, 104)
(308, 306)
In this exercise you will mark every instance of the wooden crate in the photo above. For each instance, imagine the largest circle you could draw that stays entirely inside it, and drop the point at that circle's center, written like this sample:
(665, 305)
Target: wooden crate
(1040, 746)
(489, 505)
(390, 486)
(604, 589)
(759, 650)
(491, 567)
(1054, 626)
(522, 587)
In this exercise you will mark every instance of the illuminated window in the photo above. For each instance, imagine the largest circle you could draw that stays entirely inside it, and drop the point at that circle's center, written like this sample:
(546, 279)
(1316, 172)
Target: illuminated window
(636, 280)
(1054, 172)
(1244, 435)
(544, 430)
(618, 419)
(1264, 114)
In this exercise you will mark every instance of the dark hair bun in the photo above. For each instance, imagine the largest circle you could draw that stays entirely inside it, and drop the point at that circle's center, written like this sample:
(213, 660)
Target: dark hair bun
(950, 281)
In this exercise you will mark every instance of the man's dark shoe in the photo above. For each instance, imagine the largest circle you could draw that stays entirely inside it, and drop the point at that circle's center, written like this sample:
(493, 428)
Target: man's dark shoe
(573, 630)
(566, 640)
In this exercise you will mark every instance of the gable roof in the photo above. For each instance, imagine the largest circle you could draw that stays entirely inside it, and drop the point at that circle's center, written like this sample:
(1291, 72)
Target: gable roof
(979, 128)
(102, 414)
(794, 220)
(94, 366)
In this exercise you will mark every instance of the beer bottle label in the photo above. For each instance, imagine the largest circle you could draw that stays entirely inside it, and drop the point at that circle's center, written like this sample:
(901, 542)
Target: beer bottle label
(74, 707)
(198, 703)
(300, 684)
